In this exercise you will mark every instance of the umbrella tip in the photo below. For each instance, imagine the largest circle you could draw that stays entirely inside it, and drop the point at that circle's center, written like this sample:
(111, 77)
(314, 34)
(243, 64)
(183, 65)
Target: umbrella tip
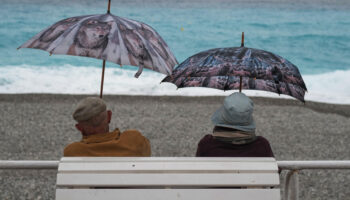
(137, 75)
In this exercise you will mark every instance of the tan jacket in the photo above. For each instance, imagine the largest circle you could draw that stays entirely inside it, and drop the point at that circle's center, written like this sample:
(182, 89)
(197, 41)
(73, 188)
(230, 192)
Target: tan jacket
(129, 143)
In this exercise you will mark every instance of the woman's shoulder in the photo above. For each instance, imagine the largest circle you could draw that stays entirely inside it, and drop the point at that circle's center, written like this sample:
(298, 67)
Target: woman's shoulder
(207, 138)
(262, 139)
(264, 143)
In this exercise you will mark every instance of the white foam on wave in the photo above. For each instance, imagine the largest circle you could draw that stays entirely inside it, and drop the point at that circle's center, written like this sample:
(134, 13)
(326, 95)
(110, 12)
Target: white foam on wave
(333, 87)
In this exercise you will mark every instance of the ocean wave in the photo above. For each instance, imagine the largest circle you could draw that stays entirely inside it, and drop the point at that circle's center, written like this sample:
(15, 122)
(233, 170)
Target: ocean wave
(331, 87)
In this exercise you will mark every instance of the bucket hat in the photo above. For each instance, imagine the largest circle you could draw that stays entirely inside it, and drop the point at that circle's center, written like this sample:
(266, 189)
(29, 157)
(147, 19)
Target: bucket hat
(236, 112)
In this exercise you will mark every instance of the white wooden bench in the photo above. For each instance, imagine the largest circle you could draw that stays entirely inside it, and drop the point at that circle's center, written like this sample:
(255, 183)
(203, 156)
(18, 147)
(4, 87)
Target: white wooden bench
(164, 178)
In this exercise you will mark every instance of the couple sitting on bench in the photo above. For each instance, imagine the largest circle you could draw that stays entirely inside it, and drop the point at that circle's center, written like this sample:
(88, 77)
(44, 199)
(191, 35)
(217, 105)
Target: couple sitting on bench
(233, 134)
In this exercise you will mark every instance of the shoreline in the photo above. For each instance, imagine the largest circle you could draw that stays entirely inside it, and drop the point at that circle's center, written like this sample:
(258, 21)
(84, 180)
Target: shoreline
(321, 87)
(323, 107)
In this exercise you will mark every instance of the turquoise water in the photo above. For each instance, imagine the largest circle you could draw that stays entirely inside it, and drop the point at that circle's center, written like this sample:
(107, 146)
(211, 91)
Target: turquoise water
(314, 38)
(314, 35)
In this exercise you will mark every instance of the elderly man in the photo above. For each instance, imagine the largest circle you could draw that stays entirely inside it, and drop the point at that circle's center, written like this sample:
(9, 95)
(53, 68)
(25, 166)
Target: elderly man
(93, 122)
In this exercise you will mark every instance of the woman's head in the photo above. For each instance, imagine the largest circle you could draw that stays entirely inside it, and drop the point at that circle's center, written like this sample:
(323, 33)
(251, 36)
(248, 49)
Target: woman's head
(236, 113)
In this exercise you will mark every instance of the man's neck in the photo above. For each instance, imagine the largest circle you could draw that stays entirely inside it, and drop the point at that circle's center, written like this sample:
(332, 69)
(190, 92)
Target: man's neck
(96, 131)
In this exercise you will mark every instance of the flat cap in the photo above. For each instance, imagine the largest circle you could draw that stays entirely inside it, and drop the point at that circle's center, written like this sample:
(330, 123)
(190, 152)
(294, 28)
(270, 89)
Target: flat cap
(89, 108)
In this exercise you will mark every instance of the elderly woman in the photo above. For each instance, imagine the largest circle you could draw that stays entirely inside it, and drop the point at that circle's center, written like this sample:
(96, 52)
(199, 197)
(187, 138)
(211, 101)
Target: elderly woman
(234, 132)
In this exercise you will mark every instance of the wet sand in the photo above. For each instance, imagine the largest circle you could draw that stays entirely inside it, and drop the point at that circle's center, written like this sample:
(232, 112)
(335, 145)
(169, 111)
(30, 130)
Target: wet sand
(38, 126)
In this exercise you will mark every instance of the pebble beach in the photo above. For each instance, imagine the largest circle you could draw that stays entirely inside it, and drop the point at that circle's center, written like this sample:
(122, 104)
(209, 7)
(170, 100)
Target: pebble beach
(38, 126)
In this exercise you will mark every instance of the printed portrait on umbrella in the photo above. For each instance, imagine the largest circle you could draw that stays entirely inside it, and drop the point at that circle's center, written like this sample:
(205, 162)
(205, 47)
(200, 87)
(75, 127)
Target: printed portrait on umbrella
(239, 68)
(109, 38)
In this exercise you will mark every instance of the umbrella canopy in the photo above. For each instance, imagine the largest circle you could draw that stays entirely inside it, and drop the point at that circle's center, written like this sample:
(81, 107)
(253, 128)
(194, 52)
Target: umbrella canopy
(107, 37)
(239, 67)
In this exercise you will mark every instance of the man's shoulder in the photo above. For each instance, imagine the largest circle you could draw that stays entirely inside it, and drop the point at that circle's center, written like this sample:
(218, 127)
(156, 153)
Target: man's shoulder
(131, 133)
(134, 138)
(72, 149)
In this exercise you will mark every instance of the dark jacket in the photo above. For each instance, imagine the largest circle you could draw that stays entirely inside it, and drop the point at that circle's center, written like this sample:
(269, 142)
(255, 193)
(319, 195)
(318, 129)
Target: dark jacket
(210, 147)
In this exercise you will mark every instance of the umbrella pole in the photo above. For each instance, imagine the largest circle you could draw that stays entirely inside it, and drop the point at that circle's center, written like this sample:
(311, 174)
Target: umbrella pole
(240, 83)
(242, 43)
(109, 6)
(102, 78)
(104, 61)
(240, 77)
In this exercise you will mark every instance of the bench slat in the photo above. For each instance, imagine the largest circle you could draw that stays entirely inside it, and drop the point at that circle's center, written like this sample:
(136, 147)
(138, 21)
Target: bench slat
(169, 194)
(167, 159)
(169, 179)
(134, 167)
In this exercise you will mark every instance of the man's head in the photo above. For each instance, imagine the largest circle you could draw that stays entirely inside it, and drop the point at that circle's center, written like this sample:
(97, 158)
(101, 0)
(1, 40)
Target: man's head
(92, 116)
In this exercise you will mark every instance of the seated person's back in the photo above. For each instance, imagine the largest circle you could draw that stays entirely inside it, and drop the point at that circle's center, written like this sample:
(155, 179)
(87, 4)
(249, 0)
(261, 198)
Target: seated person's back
(93, 122)
(234, 132)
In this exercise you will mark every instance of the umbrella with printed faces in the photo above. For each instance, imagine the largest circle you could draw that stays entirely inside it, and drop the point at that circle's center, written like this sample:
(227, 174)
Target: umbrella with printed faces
(107, 37)
(239, 68)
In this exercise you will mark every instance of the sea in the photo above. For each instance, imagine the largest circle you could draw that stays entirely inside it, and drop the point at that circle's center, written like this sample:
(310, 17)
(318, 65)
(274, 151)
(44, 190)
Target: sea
(312, 34)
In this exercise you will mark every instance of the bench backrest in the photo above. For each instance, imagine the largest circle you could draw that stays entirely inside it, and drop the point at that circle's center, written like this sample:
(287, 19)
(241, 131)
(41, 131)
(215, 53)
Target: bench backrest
(167, 178)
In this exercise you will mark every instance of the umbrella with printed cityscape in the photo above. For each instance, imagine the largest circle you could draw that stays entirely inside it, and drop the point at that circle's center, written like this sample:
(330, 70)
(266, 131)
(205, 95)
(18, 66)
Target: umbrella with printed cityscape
(109, 38)
(239, 68)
